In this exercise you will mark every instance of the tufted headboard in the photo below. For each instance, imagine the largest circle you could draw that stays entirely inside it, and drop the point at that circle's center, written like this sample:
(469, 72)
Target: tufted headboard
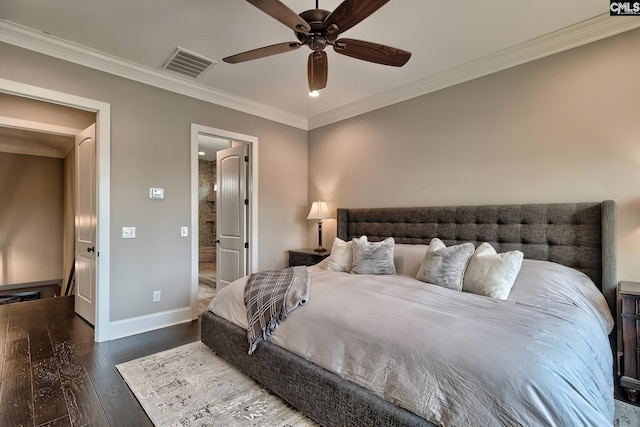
(578, 235)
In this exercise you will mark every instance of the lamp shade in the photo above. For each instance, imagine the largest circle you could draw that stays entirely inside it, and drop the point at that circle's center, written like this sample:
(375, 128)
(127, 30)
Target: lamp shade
(319, 211)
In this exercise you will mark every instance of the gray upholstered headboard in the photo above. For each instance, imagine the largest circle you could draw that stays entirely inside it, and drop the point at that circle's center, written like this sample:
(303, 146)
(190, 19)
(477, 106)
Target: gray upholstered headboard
(578, 235)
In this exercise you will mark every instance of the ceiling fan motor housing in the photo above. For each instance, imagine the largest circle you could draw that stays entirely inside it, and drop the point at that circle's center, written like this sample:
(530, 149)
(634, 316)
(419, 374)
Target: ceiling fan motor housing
(318, 38)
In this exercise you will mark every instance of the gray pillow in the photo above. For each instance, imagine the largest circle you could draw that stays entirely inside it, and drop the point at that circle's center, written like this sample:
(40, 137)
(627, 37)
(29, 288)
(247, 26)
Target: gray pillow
(445, 266)
(373, 257)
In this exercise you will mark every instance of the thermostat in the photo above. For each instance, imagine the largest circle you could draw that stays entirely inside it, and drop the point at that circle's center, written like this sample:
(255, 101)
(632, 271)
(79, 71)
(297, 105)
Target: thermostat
(156, 193)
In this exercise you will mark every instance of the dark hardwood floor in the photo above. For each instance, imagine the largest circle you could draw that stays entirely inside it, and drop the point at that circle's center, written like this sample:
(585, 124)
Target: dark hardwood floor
(52, 373)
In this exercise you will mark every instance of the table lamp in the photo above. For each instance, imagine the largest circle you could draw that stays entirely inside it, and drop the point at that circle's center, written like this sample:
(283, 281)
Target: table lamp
(319, 211)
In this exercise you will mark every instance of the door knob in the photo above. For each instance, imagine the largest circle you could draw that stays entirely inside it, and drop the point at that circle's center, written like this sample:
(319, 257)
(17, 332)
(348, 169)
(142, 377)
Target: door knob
(217, 241)
(91, 249)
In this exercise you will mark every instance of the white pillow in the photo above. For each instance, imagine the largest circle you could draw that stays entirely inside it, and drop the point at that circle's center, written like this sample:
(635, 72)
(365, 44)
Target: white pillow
(445, 266)
(492, 274)
(407, 258)
(373, 257)
(341, 258)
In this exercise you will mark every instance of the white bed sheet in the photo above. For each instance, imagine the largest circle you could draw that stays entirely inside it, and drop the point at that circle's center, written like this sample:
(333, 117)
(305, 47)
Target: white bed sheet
(540, 358)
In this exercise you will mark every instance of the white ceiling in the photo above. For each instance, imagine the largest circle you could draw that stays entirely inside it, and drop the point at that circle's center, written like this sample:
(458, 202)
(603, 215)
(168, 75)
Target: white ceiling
(31, 142)
(451, 41)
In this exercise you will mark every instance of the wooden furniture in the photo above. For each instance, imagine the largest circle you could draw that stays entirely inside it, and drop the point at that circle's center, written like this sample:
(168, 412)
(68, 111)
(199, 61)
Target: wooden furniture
(630, 311)
(306, 257)
(578, 235)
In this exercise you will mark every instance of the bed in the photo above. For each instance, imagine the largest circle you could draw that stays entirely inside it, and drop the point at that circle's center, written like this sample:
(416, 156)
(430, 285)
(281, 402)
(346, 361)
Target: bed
(575, 235)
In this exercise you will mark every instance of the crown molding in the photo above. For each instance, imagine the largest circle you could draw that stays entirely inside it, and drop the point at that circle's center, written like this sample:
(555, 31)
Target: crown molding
(582, 33)
(38, 41)
(585, 32)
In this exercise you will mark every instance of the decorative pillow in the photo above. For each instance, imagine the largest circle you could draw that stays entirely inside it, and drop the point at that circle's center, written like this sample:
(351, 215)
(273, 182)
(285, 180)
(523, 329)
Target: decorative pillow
(373, 257)
(407, 258)
(492, 274)
(445, 266)
(341, 258)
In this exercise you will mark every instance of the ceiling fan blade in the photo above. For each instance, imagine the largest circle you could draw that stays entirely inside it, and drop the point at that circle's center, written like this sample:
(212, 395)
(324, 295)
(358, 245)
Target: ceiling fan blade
(282, 13)
(317, 70)
(372, 52)
(349, 13)
(261, 52)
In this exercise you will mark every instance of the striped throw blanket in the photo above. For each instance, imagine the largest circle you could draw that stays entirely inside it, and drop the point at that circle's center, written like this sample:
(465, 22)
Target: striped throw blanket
(270, 296)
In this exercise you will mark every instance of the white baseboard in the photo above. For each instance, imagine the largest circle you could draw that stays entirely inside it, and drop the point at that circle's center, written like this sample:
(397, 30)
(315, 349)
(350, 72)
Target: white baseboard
(138, 325)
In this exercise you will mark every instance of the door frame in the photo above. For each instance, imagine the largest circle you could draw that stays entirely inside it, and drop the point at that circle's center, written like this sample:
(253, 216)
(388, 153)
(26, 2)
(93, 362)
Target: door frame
(252, 220)
(103, 185)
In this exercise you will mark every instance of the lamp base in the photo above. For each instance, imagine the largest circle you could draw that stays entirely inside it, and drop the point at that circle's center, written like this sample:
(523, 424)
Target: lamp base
(320, 249)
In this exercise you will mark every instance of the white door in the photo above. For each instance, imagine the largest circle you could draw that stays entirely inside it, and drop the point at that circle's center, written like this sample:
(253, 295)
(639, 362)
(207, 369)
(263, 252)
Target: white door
(85, 275)
(231, 217)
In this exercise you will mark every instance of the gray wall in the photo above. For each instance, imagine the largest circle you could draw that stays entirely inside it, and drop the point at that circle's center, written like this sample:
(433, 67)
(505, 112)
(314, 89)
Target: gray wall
(31, 200)
(561, 129)
(150, 146)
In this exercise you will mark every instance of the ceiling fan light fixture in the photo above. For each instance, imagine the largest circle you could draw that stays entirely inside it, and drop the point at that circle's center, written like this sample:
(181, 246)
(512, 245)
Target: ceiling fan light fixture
(314, 93)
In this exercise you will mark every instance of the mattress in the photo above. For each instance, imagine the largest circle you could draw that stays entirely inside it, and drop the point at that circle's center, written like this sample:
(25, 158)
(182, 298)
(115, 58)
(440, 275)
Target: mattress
(541, 357)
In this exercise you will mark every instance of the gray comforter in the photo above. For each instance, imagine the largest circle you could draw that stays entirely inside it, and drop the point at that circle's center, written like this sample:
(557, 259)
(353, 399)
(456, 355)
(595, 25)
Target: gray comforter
(539, 358)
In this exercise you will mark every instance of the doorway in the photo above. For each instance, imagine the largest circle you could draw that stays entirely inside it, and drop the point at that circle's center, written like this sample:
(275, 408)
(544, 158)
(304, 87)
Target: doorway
(102, 112)
(205, 204)
(208, 146)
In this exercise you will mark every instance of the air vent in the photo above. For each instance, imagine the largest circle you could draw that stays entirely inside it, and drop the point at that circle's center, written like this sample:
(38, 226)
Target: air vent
(188, 63)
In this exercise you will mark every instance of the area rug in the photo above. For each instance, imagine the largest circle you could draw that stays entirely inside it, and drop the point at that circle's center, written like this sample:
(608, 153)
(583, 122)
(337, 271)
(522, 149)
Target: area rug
(192, 386)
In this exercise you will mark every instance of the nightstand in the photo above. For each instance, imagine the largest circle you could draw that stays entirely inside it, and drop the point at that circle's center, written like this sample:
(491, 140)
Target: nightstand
(630, 310)
(306, 257)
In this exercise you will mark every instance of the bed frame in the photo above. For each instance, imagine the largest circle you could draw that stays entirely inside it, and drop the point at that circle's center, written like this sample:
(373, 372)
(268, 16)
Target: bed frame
(579, 235)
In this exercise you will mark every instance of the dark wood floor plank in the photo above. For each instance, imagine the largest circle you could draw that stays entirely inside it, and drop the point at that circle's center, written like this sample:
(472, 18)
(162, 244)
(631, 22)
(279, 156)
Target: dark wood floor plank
(40, 344)
(48, 397)
(83, 404)
(58, 308)
(17, 350)
(164, 339)
(58, 332)
(16, 400)
(123, 349)
(60, 422)
(4, 323)
(82, 401)
(120, 405)
(81, 332)
(17, 330)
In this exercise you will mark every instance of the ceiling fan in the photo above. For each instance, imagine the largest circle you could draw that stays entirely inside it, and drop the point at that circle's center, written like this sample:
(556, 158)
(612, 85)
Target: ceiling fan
(318, 29)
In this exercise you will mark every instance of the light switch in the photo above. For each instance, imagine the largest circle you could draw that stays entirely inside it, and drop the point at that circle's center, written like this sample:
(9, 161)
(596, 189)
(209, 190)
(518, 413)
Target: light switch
(156, 193)
(184, 231)
(128, 232)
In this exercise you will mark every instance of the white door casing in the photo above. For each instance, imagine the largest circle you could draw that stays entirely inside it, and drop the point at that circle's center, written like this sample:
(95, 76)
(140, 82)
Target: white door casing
(253, 146)
(103, 185)
(85, 252)
(231, 216)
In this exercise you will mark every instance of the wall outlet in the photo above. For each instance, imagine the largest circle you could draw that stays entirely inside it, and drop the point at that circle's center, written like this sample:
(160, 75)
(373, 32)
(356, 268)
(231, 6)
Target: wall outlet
(157, 295)
(184, 231)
